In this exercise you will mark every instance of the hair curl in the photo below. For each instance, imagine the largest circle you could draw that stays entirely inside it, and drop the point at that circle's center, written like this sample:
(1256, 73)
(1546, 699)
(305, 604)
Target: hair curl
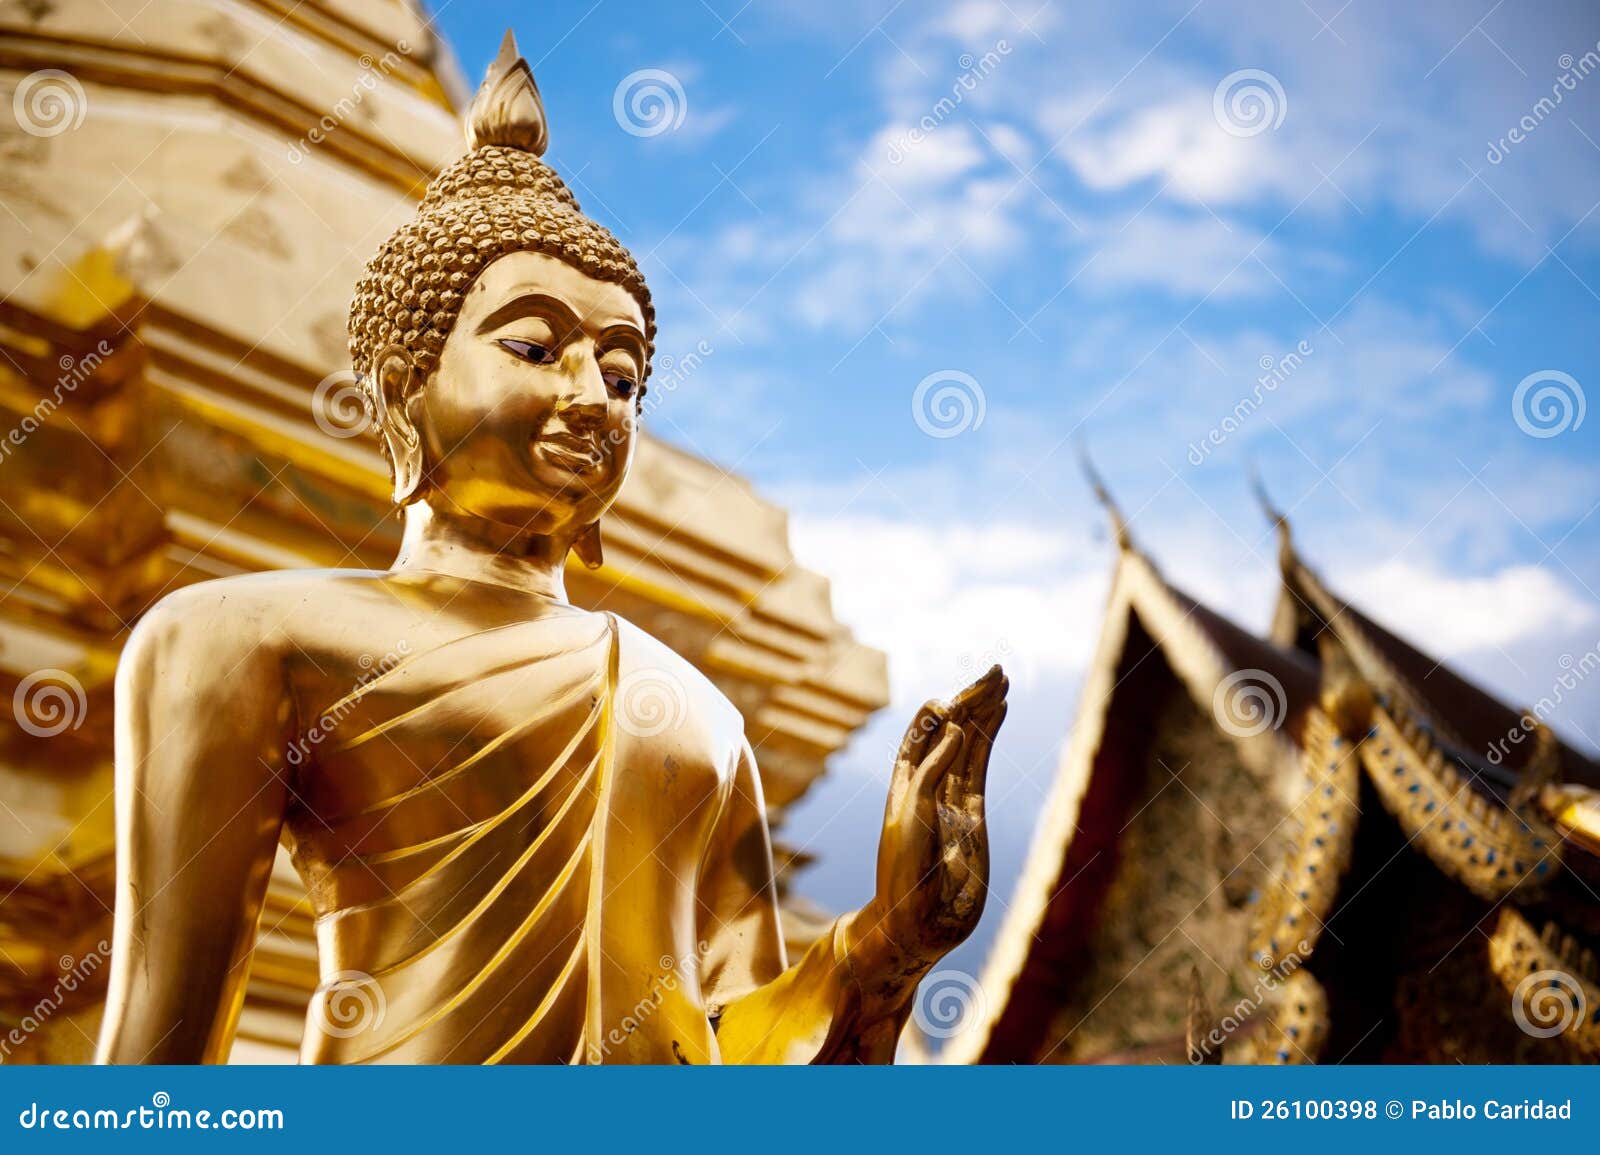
(491, 202)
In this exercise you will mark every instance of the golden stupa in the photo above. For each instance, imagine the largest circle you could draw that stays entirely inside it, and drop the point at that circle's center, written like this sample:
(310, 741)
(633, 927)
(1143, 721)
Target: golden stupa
(190, 192)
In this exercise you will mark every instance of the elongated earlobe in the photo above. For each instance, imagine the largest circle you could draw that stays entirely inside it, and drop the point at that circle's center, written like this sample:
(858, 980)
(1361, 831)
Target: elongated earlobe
(396, 383)
(588, 549)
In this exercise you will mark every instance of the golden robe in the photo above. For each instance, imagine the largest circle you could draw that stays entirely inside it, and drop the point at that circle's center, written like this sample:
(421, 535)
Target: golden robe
(545, 842)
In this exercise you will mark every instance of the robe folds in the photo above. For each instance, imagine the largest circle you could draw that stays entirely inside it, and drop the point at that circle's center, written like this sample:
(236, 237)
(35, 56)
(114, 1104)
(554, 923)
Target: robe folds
(545, 842)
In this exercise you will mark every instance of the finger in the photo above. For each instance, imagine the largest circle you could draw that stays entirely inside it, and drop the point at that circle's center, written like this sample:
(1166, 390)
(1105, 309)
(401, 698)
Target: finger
(947, 753)
(974, 776)
(989, 688)
(967, 782)
(923, 726)
(928, 721)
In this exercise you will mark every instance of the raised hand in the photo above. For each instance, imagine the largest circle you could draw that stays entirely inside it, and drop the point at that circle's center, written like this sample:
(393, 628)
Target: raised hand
(933, 857)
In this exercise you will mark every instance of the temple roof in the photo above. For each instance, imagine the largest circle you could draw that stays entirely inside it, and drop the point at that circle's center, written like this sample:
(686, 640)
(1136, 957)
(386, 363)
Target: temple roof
(1472, 723)
(1319, 650)
(1153, 633)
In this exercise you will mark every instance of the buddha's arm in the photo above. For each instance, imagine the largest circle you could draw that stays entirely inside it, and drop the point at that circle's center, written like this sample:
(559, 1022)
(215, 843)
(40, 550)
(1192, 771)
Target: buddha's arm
(849, 995)
(200, 796)
(810, 1012)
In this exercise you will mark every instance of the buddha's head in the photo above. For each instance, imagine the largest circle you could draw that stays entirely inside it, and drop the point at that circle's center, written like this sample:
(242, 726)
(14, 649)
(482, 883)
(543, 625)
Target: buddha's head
(503, 337)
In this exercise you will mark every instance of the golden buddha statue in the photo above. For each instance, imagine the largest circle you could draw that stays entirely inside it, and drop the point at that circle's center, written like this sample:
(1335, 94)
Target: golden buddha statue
(501, 847)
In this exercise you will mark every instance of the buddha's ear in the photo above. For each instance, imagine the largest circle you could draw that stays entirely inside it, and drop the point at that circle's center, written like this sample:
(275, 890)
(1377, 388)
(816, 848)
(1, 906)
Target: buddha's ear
(395, 383)
(588, 548)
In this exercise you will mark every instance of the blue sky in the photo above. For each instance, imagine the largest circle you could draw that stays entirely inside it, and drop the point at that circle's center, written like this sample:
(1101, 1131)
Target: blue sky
(1096, 242)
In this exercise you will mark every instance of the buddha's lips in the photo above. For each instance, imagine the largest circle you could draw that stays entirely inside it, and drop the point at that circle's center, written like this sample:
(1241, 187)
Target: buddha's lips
(572, 450)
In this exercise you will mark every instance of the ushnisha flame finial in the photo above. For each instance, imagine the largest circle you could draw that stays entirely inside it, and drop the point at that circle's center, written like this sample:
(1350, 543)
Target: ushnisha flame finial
(1119, 524)
(1258, 486)
(508, 110)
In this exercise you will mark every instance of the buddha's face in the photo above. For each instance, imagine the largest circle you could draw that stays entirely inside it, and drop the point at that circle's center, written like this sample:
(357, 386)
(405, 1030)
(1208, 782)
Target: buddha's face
(529, 419)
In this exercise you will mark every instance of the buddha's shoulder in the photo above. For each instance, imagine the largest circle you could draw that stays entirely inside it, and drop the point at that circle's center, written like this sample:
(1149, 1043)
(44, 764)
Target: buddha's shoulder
(274, 590)
(256, 608)
(661, 687)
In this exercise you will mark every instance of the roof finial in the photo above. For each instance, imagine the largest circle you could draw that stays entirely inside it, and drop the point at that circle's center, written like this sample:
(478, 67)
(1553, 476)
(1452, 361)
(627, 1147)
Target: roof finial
(1279, 519)
(508, 110)
(1199, 1025)
(1119, 524)
(1344, 695)
(1543, 767)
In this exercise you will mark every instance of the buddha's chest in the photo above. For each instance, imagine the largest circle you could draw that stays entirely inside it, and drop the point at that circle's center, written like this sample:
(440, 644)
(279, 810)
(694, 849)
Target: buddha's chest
(476, 751)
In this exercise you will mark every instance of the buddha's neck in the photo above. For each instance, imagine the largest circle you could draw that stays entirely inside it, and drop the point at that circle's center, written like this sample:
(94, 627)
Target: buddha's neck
(440, 539)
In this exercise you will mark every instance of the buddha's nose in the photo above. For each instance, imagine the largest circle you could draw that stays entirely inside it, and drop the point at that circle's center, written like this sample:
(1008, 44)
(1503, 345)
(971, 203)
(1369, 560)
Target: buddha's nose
(585, 407)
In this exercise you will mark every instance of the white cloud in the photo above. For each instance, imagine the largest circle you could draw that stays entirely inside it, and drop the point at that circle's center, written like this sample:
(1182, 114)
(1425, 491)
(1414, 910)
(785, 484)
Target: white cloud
(975, 21)
(1177, 142)
(916, 204)
(1196, 256)
(946, 601)
(1449, 615)
(1011, 143)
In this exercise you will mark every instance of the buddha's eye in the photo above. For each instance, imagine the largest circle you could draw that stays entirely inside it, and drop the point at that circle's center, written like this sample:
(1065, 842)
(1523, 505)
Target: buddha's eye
(621, 384)
(528, 351)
